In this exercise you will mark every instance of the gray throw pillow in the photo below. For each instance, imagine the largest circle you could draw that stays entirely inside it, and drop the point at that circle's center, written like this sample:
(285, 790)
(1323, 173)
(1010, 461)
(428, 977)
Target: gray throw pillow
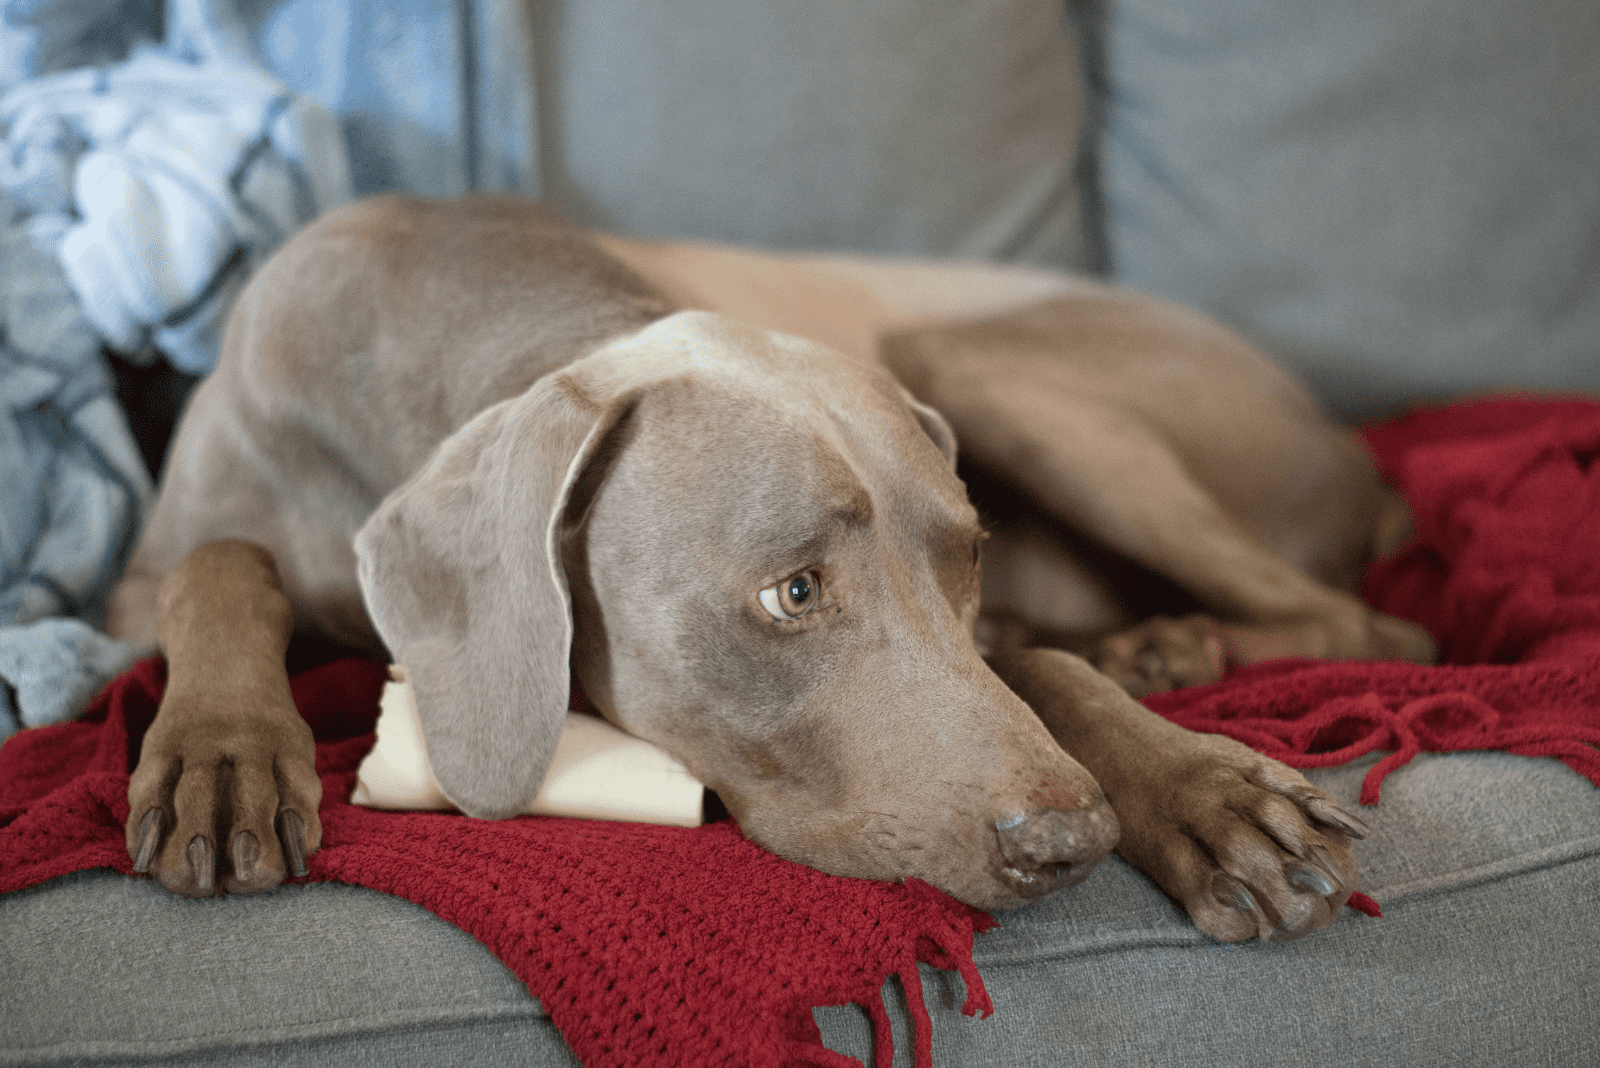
(944, 127)
(1400, 200)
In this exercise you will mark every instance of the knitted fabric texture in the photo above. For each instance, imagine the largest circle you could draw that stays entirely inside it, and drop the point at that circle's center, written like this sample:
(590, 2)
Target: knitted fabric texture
(654, 945)
(646, 945)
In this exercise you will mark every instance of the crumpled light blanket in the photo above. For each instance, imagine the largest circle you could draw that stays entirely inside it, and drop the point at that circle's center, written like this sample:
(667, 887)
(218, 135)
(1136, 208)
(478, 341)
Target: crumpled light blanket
(165, 180)
(135, 200)
(75, 491)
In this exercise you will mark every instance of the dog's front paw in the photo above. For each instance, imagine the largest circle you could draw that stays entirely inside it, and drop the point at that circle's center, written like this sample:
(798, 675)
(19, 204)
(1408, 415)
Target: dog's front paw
(225, 796)
(1163, 654)
(1243, 842)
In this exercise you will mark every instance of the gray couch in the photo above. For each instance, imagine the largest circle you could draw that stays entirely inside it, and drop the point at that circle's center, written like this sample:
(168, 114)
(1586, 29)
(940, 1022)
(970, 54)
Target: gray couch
(1399, 200)
(1485, 866)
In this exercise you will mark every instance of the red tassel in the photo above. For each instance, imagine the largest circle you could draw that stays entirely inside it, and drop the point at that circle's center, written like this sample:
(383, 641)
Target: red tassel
(922, 1023)
(882, 1034)
(1365, 905)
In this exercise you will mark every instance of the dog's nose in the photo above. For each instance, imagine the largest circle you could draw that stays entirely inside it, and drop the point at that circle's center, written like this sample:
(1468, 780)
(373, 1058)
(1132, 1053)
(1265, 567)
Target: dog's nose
(1048, 849)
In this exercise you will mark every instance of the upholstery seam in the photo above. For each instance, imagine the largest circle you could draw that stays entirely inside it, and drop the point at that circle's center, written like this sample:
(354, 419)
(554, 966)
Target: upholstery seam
(1463, 879)
(1492, 871)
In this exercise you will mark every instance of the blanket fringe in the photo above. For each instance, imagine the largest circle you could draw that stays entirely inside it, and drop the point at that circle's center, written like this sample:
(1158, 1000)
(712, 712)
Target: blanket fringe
(882, 1035)
(1372, 782)
(921, 1022)
(1365, 905)
(1447, 722)
(945, 943)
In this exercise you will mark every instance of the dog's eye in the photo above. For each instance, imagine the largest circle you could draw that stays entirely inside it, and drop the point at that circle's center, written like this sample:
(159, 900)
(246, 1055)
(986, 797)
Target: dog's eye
(794, 596)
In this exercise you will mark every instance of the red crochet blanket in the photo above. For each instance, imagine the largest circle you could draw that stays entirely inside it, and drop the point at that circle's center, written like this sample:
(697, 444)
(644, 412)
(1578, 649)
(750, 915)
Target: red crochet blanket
(653, 945)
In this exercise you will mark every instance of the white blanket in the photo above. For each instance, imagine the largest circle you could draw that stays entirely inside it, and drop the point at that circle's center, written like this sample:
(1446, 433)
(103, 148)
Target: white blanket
(179, 177)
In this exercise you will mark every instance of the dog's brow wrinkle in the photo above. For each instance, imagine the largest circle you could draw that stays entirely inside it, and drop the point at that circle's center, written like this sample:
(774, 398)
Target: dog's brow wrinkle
(855, 511)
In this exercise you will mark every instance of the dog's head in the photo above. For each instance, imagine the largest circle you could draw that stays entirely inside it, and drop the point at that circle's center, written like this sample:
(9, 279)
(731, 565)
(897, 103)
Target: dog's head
(757, 555)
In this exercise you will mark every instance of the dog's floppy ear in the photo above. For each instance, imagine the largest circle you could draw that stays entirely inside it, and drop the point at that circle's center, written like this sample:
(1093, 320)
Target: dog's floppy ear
(463, 579)
(934, 424)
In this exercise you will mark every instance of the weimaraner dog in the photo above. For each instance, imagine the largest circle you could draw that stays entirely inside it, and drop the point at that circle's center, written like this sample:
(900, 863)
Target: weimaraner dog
(718, 491)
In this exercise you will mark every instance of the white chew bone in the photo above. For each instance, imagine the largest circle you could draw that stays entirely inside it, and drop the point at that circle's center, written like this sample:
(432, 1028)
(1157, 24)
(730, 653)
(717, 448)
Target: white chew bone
(598, 772)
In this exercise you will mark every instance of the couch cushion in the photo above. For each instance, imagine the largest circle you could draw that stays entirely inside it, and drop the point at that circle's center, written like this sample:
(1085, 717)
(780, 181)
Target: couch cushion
(914, 126)
(1489, 950)
(1397, 199)
(944, 127)
(1485, 867)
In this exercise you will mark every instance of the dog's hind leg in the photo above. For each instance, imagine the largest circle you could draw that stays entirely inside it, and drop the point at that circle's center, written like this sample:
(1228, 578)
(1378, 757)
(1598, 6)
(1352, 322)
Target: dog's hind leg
(1123, 487)
(1172, 445)
(225, 795)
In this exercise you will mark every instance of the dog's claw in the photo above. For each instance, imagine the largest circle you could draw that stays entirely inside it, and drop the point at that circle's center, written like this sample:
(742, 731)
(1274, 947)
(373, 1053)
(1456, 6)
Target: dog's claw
(246, 852)
(292, 831)
(1235, 895)
(1325, 811)
(149, 838)
(1326, 864)
(203, 859)
(1308, 879)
